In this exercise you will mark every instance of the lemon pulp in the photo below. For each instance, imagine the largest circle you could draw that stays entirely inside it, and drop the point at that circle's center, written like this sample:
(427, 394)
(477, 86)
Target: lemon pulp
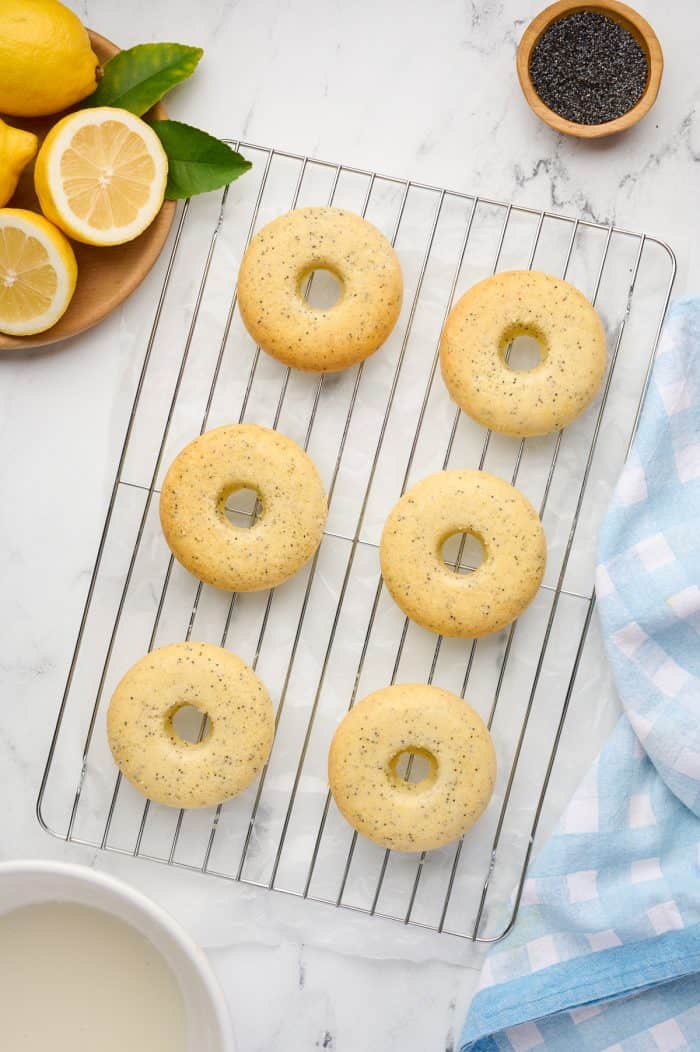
(100, 175)
(38, 273)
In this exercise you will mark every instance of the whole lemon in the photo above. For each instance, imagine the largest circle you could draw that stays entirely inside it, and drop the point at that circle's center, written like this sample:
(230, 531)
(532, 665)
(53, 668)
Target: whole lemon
(16, 151)
(46, 62)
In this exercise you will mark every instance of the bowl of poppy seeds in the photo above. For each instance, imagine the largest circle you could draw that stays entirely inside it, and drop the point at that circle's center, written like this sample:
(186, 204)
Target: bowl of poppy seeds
(590, 69)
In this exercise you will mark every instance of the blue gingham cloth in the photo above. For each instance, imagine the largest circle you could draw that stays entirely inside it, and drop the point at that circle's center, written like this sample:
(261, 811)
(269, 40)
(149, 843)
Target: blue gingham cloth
(605, 954)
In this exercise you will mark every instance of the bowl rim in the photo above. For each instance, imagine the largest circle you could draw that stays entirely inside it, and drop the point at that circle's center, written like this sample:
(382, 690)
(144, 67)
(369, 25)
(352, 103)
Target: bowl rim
(143, 904)
(625, 16)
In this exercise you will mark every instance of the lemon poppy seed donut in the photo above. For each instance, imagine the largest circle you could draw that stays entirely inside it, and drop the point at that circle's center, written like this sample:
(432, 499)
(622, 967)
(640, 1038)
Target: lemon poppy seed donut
(155, 759)
(430, 592)
(486, 320)
(273, 274)
(366, 750)
(288, 528)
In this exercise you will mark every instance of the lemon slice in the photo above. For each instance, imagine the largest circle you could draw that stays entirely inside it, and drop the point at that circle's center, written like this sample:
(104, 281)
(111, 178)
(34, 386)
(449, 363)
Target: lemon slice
(100, 175)
(37, 273)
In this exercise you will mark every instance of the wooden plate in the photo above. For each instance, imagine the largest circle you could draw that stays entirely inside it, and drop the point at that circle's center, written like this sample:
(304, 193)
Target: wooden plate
(106, 276)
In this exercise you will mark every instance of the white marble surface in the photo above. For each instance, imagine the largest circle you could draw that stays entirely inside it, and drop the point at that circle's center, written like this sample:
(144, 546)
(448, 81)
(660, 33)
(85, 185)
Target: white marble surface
(426, 90)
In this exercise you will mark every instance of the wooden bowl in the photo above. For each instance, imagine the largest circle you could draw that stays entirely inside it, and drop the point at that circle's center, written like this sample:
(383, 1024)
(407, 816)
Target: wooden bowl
(625, 16)
(106, 276)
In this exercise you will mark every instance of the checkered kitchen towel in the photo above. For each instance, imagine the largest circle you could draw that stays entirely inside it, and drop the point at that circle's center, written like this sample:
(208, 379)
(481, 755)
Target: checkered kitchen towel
(606, 950)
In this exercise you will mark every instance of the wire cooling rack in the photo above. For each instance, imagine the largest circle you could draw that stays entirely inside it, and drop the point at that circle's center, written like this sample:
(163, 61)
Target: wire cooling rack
(325, 639)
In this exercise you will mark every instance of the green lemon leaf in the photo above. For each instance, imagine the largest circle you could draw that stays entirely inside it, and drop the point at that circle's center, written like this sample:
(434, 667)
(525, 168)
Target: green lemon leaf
(197, 162)
(139, 77)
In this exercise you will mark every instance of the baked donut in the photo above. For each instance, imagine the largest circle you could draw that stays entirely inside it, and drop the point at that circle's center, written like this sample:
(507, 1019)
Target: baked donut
(288, 529)
(437, 597)
(274, 270)
(149, 751)
(488, 318)
(366, 750)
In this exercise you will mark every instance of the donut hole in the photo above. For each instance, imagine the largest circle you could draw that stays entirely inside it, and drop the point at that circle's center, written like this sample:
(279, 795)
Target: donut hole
(462, 552)
(189, 724)
(321, 288)
(414, 766)
(523, 351)
(242, 507)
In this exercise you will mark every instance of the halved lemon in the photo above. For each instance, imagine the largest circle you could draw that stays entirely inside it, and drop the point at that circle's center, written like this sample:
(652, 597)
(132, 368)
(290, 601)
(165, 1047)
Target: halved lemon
(100, 175)
(37, 273)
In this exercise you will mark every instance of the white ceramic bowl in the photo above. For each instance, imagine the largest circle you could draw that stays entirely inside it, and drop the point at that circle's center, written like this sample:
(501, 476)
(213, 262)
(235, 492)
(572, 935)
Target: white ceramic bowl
(208, 1022)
